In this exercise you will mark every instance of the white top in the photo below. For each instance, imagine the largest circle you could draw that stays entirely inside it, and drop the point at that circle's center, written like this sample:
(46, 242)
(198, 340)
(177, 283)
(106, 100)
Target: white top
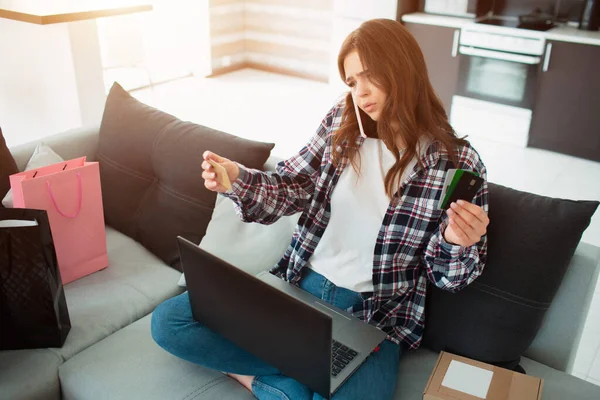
(344, 254)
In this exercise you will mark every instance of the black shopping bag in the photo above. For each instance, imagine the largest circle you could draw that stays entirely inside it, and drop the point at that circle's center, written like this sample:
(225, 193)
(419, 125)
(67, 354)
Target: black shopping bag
(33, 308)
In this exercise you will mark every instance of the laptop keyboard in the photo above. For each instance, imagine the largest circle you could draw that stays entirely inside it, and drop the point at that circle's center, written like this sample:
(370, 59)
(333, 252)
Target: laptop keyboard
(341, 356)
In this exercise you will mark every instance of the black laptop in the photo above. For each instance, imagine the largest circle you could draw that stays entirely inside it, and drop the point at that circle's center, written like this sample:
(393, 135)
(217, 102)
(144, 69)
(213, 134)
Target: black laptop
(303, 336)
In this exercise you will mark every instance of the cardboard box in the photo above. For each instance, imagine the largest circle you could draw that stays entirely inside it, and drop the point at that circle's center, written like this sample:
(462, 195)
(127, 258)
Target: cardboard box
(460, 378)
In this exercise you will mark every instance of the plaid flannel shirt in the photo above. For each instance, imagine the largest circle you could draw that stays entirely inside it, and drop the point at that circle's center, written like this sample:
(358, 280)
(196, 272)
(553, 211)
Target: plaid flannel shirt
(410, 249)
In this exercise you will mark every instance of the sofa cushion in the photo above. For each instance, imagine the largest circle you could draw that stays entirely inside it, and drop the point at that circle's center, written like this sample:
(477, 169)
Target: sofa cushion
(7, 166)
(130, 365)
(559, 385)
(416, 367)
(134, 283)
(531, 240)
(29, 374)
(150, 168)
(257, 247)
(42, 156)
(74, 143)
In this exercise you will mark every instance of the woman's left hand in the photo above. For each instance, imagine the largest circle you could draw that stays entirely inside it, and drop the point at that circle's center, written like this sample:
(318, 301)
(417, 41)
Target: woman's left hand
(466, 225)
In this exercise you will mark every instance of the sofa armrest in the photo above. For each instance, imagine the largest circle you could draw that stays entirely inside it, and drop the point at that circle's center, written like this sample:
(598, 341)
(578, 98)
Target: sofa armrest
(70, 144)
(557, 341)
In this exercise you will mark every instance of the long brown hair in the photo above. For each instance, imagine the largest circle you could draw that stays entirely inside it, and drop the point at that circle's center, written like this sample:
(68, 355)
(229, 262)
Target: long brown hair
(396, 66)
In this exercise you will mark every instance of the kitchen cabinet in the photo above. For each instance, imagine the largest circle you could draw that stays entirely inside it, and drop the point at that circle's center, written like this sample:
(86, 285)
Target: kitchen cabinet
(566, 114)
(439, 45)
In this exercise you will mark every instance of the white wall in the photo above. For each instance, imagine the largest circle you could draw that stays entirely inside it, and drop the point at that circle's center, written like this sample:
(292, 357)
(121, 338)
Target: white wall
(150, 47)
(38, 90)
(347, 16)
(51, 76)
(177, 39)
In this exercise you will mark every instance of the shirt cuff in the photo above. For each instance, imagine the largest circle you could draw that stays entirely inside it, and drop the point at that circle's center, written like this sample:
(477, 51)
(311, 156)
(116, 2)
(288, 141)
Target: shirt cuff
(451, 250)
(238, 190)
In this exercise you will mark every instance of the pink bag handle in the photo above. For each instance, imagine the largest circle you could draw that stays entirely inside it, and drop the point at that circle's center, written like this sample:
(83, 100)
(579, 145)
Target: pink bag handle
(79, 200)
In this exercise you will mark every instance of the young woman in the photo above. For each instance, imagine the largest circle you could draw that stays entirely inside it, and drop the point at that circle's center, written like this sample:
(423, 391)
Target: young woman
(371, 236)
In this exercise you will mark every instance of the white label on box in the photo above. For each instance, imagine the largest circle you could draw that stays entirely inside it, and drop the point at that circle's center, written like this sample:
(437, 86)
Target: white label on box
(468, 379)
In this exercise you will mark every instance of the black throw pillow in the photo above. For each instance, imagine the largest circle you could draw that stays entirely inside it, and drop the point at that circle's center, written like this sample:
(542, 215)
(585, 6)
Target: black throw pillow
(531, 240)
(151, 174)
(7, 167)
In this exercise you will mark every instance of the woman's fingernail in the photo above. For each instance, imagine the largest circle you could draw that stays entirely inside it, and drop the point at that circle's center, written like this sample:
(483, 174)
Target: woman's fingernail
(461, 202)
(453, 205)
(450, 212)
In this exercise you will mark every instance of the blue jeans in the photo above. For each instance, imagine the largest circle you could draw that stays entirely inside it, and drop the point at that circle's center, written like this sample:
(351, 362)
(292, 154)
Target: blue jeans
(175, 330)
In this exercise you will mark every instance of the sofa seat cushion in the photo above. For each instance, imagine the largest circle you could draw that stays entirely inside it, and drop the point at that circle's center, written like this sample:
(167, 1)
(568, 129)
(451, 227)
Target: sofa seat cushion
(559, 385)
(29, 374)
(134, 283)
(130, 365)
(416, 367)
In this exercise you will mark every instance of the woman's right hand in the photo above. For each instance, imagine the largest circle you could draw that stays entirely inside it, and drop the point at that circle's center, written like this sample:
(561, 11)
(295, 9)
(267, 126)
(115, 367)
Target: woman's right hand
(209, 175)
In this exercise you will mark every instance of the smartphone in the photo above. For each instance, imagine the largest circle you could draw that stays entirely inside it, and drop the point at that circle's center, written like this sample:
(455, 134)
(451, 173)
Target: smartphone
(459, 184)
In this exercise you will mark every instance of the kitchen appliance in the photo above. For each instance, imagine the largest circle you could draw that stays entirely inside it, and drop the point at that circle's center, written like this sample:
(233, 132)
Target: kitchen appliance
(536, 20)
(498, 69)
(590, 16)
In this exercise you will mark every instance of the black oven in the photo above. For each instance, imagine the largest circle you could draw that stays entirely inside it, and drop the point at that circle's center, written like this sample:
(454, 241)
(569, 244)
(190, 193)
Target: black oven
(498, 77)
(498, 70)
(499, 64)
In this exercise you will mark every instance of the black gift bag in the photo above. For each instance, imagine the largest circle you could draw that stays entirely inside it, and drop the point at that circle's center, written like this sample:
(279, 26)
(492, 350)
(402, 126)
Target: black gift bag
(33, 308)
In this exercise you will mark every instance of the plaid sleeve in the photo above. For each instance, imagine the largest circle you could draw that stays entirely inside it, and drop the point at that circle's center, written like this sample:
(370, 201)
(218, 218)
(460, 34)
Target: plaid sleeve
(264, 197)
(453, 267)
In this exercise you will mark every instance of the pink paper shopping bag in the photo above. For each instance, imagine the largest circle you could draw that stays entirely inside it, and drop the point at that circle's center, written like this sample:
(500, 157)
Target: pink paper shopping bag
(70, 193)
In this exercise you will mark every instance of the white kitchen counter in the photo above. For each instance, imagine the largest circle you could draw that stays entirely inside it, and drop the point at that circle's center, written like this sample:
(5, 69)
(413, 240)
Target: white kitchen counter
(566, 33)
(572, 34)
(439, 20)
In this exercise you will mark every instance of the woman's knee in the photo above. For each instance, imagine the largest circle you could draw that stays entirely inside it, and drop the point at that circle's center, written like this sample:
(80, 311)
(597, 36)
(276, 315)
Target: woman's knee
(166, 317)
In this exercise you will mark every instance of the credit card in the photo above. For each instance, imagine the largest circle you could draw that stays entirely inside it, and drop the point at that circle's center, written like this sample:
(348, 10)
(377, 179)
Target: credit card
(459, 185)
(221, 172)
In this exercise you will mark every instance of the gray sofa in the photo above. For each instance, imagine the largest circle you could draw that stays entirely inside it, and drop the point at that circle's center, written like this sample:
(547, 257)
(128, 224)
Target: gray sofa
(109, 353)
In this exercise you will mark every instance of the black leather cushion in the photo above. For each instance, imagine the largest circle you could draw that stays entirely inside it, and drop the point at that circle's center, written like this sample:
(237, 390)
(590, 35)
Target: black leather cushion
(151, 175)
(7, 167)
(531, 240)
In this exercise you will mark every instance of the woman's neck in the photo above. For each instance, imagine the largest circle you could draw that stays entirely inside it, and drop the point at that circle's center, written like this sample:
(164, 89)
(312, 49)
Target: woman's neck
(395, 125)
